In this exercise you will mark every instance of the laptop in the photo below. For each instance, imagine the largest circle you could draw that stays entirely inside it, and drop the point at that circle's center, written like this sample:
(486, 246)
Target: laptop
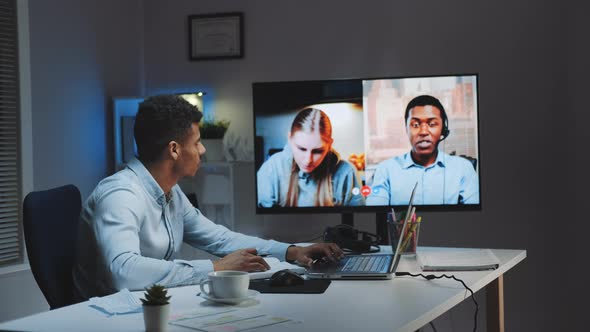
(380, 266)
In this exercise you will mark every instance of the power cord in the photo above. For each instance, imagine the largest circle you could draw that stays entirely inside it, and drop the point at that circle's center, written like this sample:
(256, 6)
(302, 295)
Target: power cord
(433, 327)
(311, 240)
(432, 276)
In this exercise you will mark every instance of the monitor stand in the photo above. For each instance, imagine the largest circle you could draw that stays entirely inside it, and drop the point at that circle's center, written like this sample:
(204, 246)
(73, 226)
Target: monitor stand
(380, 224)
(381, 227)
(348, 218)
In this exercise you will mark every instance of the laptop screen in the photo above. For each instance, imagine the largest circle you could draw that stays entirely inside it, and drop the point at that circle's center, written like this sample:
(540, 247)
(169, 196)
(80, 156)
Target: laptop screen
(392, 227)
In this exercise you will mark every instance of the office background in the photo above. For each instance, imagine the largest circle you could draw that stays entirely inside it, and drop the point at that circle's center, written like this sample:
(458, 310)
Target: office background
(531, 57)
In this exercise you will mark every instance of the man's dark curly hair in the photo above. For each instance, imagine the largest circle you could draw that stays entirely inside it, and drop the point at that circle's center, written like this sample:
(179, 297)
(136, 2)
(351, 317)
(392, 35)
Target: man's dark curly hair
(159, 120)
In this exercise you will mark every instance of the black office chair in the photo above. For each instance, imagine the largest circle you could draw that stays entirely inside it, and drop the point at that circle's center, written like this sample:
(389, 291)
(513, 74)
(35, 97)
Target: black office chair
(50, 221)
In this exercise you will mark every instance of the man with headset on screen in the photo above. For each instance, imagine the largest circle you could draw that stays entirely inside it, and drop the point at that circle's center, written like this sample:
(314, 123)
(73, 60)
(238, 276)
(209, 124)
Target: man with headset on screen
(133, 224)
(442, 178)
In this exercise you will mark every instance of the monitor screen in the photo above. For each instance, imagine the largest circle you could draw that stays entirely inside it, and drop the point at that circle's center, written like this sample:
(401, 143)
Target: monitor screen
(357, 145)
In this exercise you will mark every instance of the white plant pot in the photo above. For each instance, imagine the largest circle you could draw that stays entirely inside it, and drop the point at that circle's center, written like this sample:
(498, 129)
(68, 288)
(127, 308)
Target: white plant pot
(156, 317)
(214, 149)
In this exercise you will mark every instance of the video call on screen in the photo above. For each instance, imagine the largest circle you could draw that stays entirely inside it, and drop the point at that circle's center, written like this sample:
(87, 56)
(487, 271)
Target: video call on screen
(375, 144)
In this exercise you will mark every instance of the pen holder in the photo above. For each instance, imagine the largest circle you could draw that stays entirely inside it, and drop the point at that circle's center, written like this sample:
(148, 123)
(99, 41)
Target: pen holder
(409, 240)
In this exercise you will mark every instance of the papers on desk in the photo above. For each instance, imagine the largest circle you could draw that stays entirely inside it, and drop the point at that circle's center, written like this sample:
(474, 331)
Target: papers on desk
(231, 318)
(455, 259)
(214, 319)
(276, 265)
(122, 302)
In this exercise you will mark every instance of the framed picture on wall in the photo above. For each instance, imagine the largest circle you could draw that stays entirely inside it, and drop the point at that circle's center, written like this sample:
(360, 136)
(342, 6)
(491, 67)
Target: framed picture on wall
(216, 36)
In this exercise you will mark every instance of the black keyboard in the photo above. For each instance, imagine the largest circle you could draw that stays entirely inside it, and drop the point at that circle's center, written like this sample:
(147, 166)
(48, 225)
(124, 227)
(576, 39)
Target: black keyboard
(365, 263)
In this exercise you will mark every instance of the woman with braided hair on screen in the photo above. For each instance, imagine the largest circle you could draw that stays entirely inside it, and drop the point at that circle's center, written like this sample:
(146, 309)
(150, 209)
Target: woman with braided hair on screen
(308, 171)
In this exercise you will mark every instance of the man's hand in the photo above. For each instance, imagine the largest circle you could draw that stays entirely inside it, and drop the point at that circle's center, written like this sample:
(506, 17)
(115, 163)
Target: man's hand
(241, 260)
(306, 255)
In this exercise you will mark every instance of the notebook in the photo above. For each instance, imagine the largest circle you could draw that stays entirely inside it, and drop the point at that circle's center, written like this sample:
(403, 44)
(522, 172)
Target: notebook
(452, 259)
(382, 266)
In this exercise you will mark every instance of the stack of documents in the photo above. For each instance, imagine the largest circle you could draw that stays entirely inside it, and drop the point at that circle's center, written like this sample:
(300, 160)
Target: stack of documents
(224, 319)
(455, 259)
(122, 302)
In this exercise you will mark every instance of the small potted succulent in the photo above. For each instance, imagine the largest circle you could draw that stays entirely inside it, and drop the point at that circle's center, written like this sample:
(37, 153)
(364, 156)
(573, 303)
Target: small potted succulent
(156, 308)
(212, 132)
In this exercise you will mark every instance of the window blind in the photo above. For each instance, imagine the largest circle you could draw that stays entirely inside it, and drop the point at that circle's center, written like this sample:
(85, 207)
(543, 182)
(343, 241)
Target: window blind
(10, 191)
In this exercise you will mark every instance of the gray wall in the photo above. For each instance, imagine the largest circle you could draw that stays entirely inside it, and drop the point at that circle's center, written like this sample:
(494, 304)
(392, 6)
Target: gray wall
(82, 54)
(578, 69)
(528, 55)
(517, 49)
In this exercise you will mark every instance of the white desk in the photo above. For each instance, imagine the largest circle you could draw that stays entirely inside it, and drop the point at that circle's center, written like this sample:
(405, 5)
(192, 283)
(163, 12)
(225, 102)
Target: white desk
(401, 304)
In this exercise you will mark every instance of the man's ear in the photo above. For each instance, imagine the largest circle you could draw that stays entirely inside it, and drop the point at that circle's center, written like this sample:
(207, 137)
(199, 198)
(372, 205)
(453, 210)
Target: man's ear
(173, 150)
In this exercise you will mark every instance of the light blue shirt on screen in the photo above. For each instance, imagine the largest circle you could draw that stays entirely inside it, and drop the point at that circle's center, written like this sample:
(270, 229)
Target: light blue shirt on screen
(449, 180)
(130, 236)
(274, 175)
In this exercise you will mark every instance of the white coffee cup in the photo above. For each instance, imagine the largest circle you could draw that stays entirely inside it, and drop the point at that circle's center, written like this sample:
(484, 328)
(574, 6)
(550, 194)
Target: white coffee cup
(226, 284)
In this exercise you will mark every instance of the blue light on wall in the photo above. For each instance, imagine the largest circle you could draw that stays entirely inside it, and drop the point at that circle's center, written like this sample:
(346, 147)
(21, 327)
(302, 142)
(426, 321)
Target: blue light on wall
(124, 110)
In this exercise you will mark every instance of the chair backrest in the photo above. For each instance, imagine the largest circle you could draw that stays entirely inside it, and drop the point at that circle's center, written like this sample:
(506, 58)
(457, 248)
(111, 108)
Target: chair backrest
(50, 220)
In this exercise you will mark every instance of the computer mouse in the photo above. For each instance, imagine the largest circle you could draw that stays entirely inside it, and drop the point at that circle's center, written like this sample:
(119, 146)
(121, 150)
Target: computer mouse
(286, 278)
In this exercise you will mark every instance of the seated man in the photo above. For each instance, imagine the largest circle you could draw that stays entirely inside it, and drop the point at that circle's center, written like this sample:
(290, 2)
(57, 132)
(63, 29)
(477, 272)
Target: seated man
(134, 222)
(442, 178)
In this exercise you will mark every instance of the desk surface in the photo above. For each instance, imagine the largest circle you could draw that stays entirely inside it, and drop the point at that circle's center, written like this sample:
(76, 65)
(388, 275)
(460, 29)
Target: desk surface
(400, 304)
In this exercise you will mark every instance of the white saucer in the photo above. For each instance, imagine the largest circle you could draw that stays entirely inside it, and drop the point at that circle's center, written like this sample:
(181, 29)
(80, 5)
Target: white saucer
(251, 294)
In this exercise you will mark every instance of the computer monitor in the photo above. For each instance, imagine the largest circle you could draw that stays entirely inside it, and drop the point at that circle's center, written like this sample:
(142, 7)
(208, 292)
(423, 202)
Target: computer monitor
(360, 145)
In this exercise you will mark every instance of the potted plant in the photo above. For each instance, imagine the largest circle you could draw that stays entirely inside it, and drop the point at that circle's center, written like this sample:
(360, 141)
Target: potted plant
(156, 308)
(212, 132)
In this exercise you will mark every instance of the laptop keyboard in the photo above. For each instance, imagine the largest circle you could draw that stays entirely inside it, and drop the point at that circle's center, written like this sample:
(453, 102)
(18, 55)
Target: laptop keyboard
(365, 263)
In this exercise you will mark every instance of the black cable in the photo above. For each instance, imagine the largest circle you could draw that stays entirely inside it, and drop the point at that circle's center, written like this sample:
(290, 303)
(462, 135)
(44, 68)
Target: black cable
(432, 276)
(433, 327)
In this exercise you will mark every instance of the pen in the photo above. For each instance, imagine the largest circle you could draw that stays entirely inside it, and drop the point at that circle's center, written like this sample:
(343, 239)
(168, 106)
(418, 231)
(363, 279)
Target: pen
(409, 237)
(405, 242)
(393, 216)
(415, 234)
(410, 233)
